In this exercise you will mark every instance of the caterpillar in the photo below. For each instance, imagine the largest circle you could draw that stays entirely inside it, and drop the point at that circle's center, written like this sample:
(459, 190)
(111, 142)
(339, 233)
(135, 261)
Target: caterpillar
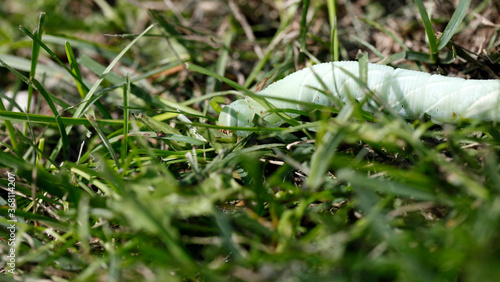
(410, 93)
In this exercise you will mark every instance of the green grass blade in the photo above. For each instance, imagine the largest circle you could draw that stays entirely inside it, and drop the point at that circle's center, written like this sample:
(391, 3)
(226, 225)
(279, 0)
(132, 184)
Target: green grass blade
(214, 103)
(228, 81)
(126, 116)
(74, 69)
(454, 24)
(104, 139)
(24, 65)
(334, 38)
(213, 84)
(30, 83)
(88, 100)
(368, 45)
(386, 31)
(35, 53)
(286, 18)
(392, 58)
(363, 67)
(98, 69)
(82, 44)
(18, 74)
(60, 124)
(50, 52)
(429, 30)
(172, 32)
(243, 89)
(162, 127)
(320, 161)
(176, 107)
(11, 130)
(57, 185)
(304, 25)
(81, 88)
(43, 119)
(116, 79)
(385, 186)
(92, 90)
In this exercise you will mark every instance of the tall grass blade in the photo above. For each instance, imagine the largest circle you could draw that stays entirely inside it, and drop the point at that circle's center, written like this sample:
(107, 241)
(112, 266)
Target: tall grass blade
(334, 38)
(429, 30)
(455, 21)
(34, 56)
(303, 25)
(126, 116)
(74, 69)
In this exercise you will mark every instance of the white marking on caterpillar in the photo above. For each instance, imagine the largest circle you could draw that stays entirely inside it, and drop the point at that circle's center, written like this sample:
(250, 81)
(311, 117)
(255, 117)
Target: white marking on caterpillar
(411, 93)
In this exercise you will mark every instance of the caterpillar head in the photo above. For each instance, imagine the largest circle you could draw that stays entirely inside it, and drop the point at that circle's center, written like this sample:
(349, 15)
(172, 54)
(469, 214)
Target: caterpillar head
(240, 113)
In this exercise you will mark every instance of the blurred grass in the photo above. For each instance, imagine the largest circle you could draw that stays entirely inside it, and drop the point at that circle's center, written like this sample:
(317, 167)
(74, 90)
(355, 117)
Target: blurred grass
(149, 189)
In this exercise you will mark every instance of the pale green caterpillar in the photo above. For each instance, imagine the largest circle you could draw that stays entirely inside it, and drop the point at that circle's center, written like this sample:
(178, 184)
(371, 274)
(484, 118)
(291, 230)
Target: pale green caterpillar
(411, 93)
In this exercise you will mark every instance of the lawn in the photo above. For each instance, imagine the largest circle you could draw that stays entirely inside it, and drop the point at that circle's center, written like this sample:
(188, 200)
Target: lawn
(119, 170)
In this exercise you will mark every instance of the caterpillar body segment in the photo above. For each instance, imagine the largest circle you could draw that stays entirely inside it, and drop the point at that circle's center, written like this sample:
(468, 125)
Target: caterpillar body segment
(411, 93)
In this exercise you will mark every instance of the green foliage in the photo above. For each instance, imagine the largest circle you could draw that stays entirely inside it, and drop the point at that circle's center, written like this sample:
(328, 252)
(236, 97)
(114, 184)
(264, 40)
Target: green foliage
(150, 189)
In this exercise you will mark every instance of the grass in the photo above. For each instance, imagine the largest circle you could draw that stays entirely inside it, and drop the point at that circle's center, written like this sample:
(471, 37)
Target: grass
(122, 174)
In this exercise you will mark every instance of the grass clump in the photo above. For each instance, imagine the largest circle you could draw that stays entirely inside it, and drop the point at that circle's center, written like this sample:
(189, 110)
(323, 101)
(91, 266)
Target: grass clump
(122, 174)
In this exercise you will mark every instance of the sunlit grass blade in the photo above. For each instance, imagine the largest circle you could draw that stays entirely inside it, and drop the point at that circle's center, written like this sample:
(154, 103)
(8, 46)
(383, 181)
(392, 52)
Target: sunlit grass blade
(455, 21)
(84, 228)
(392, 58)
(75, 69)
(98, 69)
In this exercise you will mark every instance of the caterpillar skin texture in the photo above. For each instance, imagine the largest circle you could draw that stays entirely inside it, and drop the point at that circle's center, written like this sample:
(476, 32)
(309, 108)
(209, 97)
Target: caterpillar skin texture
(411, 93)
